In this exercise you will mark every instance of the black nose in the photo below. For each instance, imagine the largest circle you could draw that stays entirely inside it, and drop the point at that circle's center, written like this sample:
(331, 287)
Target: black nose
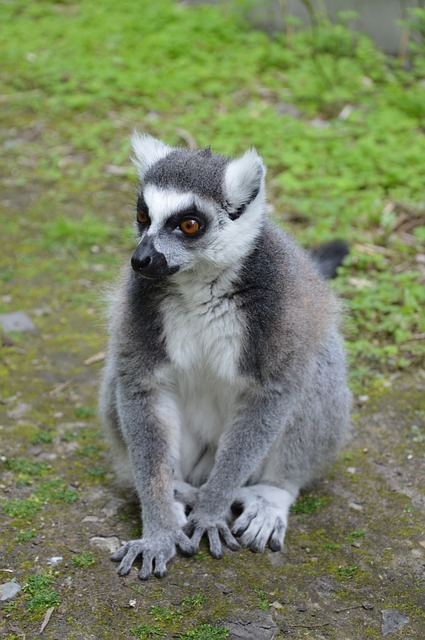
(149, 262)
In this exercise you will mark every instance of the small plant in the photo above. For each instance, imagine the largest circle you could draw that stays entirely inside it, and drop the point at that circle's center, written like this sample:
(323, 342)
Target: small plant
(55, 491)
(16, 508)
(83, 560)
(263, 603)
(194, 601)
(26, 468)
(85, 412)
(26, 535)
(145, 631)
(42, 437)
(39, 593)
(307, 504)
(205, 632)
(165, 614)
(355, 535)
(349, 571)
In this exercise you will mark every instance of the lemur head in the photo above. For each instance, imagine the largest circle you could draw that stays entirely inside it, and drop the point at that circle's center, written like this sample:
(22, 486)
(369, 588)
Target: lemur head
(195, 209)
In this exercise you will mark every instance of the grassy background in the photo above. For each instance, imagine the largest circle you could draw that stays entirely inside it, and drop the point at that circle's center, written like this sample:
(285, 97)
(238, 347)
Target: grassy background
(340, 127)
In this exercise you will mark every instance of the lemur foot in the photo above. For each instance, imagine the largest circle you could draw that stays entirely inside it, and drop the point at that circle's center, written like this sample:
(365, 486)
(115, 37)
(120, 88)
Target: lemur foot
(264, 516)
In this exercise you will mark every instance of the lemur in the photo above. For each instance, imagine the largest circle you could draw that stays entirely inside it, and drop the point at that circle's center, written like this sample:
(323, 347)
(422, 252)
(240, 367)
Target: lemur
(225, 379)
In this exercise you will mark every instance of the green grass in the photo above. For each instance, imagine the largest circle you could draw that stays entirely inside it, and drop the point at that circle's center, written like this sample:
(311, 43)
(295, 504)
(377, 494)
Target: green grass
(26, 535)
(78, 77)
(20, 508)
(307, 505)
(205, 632)
(83, 560)
(55, 491)
(39, 594)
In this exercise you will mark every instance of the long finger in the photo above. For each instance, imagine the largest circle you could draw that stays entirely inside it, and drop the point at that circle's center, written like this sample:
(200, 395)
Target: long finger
(215, 544)
(146, 570)
(229, 540)
(120, 553)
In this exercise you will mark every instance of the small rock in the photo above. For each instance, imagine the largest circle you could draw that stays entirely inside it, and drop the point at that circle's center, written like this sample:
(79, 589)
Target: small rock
(259, 627)
(110, 544)
(113, 507)
(318, 123)
(363, 399)
(285, 109)
(351, 470)
(91, 519)
(393, 620)
(346, 112)
(276, 605)
(9, 590)
(17, 321)
(21, 409)
(355, 507)
(55, 560)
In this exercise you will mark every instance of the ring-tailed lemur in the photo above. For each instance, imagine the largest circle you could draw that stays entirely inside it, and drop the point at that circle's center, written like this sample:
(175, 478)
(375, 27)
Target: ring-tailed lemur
(225, 380)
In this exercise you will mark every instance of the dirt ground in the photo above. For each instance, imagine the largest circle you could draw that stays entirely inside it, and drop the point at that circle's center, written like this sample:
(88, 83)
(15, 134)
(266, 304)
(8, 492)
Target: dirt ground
(354, 562)
(353, 567)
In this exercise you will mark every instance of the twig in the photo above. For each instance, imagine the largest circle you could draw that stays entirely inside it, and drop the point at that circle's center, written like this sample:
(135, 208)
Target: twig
(61, 387)
(46, 618)
(98, 357)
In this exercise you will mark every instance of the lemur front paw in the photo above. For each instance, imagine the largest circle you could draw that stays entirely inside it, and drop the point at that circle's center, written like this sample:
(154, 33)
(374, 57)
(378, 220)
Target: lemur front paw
(199, 524)
(264, 517)
(156, 551)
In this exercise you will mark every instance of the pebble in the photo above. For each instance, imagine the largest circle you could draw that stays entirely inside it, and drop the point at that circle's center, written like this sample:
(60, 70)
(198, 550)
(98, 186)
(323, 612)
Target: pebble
(355, 506)
(92, 519)
(17, 321)
(113, 507)
(9, 590)
(392, 621)
(110, 544)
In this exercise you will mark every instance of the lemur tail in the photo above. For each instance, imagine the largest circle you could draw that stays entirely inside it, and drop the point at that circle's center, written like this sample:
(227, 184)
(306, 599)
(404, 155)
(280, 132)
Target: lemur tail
(328, 257)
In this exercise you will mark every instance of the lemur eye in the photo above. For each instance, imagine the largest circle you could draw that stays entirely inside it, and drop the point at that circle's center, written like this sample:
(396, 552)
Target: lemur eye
(189, 226)
(143, 217)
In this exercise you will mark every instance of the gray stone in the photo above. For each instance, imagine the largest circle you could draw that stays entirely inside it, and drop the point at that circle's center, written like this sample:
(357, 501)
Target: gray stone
(9, 590)
(392, 621)
(17, 321)
(110, 544)
(260, 627)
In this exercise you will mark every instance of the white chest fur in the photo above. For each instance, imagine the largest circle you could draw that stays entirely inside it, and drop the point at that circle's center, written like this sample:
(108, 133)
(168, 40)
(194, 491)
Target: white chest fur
(203, 332)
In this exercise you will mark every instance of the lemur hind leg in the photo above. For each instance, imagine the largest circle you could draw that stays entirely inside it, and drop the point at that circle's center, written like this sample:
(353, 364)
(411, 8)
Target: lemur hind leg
(264, 516)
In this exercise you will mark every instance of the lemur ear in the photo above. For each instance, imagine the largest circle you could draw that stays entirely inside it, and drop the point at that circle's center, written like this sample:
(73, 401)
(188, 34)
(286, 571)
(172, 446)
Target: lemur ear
(242, 182)
(147, 151)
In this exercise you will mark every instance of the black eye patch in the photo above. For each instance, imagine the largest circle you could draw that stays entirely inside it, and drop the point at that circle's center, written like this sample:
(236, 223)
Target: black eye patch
(191, 213)
(141, 204)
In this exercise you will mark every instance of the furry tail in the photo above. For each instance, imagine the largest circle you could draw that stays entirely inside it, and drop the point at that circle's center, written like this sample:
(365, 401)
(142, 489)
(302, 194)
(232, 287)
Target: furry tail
(328, 257)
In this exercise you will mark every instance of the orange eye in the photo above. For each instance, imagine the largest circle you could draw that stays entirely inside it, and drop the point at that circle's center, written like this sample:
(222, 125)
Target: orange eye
(142, 217)
(189, 226)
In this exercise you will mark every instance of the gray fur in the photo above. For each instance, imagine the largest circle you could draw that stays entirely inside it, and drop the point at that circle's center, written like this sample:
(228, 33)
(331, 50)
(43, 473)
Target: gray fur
(197, 171)
(225, 382)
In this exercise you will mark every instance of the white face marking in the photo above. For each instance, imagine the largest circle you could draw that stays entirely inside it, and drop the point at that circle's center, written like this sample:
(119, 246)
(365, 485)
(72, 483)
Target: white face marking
(163, 203)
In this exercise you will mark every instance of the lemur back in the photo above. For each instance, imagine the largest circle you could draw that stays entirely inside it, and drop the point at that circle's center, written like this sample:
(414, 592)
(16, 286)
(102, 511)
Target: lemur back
(225, 381)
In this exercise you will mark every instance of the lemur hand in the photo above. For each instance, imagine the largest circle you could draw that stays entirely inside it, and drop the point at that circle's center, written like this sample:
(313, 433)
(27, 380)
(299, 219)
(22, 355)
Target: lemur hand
(200, 522)
(156, 550)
